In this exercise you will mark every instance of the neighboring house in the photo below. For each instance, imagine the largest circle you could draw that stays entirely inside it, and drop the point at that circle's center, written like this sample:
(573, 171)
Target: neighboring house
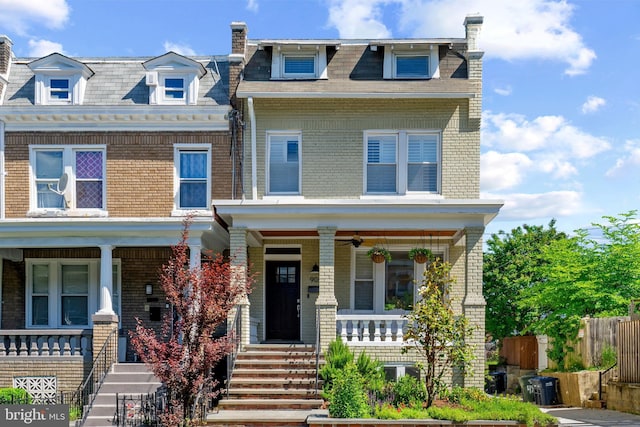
(349, 144)
(101, 159)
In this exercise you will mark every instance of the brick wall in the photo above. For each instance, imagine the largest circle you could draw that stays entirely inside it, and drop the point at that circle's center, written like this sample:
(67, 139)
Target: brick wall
(140, 168)
(329, 128)
(70, 371)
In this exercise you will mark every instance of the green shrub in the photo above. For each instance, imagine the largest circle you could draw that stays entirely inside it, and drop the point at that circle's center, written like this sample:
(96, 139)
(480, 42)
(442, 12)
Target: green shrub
(337, 357)
(609, 357)
(14, 396)
(408, 390)
(372, 372)
(347, 398)
(460, 394)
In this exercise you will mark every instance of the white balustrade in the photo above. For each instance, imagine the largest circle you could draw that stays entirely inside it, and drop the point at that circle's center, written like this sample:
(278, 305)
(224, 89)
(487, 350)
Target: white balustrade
(45, 342)
(371, 329)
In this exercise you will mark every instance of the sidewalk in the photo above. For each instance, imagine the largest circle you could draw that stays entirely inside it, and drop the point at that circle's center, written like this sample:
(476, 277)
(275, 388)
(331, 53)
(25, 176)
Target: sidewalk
(581, 417)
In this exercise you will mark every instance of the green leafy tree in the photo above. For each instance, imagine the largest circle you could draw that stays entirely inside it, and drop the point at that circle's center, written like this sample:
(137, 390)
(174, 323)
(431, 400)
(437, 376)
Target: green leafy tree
(438, 334)
(585, 276)
(512, 264)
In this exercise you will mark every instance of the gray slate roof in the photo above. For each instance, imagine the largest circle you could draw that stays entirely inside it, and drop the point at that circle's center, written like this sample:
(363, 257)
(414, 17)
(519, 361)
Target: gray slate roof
(119, 82)
(354, 69)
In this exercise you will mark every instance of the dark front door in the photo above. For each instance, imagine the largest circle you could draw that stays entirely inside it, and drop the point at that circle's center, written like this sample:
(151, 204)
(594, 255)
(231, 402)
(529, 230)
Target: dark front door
(283, 300)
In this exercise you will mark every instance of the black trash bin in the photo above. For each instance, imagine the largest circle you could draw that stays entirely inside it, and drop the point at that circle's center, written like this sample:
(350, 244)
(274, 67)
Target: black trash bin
(545, 390)
(498, 382)
(527, 388)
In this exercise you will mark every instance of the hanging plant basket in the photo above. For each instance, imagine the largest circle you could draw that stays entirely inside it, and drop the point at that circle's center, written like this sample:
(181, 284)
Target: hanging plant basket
(379, 255)
(420, 255)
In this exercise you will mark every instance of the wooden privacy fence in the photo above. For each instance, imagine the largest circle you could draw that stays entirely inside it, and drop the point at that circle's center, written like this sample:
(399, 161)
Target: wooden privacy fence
(629, 351)
(521, 351)
(597, 334)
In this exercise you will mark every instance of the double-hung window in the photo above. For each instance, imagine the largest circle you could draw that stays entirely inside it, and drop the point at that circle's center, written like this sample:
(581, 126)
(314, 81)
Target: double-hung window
(283, 163)
(59, 91)
(174, 89)
(402, 162)
(68, 178)
(193, 176)
(64, 292)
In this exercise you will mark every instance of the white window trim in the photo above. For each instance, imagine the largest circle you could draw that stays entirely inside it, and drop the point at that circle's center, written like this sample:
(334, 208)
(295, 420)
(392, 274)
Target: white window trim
(69, 169)
(392, 52)
(43, 89)
(55, 303)
(177, 149)
(191, 87)
(402, 160)
(271, 133)
(320, 63)
(379, 279)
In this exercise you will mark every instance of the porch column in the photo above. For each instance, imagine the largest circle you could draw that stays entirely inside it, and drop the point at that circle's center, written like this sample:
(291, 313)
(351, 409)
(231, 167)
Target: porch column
(474, 304)
(194, 255)
(106, 279)
(238, 247)
(326, 303)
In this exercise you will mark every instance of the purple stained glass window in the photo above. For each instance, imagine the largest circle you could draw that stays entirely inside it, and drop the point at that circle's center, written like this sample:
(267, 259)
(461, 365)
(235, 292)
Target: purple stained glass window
(89, 182)
(89, 164)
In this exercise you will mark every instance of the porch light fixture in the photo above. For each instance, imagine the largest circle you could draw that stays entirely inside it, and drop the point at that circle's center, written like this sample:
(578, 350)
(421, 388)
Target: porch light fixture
(148, 289)
(314, 275)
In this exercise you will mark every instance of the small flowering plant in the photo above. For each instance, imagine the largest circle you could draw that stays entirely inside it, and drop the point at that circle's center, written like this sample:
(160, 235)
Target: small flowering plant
(379, 254)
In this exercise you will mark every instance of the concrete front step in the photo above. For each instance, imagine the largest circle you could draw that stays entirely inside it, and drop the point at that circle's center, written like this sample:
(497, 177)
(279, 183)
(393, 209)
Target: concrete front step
(129, 368)
(271, 393)
(129, 387)
(269, 404)
(269, 383)
(271, 373)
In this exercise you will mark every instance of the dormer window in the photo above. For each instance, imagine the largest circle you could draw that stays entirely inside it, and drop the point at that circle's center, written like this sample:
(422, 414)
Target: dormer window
(411, 61)
(59, 80)
(173, 79)
(173, 88)
(59, 90)
(298, 60)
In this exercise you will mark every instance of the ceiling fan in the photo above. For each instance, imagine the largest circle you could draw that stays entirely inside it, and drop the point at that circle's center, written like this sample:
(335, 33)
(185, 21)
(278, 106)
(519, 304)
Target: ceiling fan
(355, 240)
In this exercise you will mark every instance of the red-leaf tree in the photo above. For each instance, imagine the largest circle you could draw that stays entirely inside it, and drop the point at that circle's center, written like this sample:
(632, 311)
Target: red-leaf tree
(188, 347)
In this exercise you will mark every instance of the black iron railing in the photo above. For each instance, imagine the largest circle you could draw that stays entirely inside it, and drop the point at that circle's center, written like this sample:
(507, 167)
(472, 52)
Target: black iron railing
(82, 398)
(604, 378)
(317, 349)
(234, 332)
(140, 409)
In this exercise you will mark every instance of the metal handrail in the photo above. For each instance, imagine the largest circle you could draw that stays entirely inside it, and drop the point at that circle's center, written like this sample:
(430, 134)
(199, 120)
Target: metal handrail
(235, 339)
(85, 394)
(602, 374)
(317, 349)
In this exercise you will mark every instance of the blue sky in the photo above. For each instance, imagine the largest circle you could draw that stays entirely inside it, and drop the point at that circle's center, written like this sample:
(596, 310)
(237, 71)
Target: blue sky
(561, 121)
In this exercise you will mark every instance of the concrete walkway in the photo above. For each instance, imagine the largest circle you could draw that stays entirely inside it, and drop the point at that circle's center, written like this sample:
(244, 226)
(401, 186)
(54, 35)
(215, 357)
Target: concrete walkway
(581, 417)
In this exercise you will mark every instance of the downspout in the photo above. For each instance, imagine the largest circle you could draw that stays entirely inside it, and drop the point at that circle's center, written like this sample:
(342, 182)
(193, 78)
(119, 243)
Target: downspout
(254, 164)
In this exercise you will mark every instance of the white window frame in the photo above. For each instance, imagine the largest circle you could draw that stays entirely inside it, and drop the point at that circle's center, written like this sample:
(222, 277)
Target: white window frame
(163, 89)
(288, 134)
(379, 279)
(178, 210)
(69, 167)
(393, 52)
(43, 89)
(402, 160)
(55, 290)
(280, 53)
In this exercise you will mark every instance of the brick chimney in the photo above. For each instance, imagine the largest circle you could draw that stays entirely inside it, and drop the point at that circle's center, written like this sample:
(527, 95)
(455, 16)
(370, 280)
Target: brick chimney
(237, 57)
(472, 25)
(5, 54)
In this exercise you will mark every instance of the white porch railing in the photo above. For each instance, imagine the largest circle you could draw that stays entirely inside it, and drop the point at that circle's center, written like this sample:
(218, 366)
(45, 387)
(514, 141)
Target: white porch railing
(45, 342)
(371, 329)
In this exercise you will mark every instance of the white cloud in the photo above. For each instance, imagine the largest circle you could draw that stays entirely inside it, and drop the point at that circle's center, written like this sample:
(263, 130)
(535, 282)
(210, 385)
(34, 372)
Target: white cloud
(358, 18)
(252, 5)
(593, 104)
(523, 207)
(502, 171)
(628, 163)
(504, 91)
(512, 30)
(18, 16)
(182, 49)
(40, 48)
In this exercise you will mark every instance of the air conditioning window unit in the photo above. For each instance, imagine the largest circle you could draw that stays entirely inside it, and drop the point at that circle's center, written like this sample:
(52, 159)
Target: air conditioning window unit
(151, 78)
